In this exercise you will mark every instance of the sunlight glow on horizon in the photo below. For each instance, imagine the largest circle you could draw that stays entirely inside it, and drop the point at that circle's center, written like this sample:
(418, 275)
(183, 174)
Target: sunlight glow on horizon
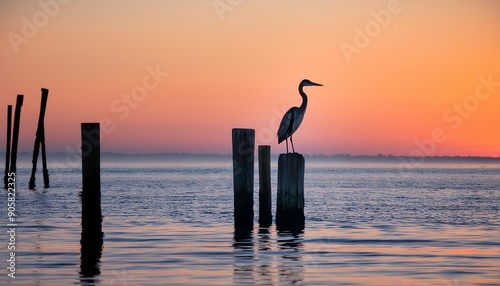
(419, 72)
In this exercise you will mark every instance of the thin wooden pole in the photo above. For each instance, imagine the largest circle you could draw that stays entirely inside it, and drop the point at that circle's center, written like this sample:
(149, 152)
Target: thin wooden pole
(44, 154)
(243, 176)
(39, 139)
(7, 151)
(290, 198)
(92, 235)
(265, 216)
(15, 134)
(44, 162)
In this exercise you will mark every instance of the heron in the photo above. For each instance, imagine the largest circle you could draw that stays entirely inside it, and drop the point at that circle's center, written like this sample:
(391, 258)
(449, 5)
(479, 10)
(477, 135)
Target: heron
(293, 117)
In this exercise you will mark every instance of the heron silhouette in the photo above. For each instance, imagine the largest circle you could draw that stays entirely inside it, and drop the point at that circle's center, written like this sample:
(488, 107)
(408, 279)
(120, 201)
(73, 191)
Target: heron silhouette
(293, 117)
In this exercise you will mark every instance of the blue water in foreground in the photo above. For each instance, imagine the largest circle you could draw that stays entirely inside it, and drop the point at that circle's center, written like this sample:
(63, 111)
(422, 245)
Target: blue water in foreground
(172, 224)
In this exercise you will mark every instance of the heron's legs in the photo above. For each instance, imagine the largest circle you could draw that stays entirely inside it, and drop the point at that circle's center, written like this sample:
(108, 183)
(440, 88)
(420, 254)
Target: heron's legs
(291, 141)
(286, 139)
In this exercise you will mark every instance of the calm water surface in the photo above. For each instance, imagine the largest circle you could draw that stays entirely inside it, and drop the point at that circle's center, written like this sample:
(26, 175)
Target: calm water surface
(172, 224)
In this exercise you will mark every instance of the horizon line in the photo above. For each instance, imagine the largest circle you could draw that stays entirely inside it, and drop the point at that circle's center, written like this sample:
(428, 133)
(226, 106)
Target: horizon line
(339, 155)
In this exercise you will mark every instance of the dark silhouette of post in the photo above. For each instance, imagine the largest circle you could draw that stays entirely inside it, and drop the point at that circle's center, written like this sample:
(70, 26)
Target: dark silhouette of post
(91, 174)
(290, 198)
(92, 235)
(7, 151)
(44, 162)
(15, 134)
(44, 154)
(265, 216)
(243, 168)
(40, 140)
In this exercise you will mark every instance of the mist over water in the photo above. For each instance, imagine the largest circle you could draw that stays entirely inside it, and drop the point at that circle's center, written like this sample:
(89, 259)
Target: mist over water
(170, 222)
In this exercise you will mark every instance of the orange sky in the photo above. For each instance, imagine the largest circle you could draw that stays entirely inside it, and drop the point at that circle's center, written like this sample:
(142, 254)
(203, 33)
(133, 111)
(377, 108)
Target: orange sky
(416, 68)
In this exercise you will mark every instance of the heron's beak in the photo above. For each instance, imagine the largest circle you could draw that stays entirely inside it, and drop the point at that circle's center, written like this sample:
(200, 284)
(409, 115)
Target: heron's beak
(316, 84)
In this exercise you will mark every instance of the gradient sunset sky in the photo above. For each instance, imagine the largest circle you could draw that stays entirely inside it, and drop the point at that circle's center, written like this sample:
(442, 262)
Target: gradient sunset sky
(400, 77)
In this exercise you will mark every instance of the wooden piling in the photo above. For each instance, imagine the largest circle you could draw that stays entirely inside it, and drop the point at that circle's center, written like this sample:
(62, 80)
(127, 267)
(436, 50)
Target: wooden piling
(46, 182)
(265, 216)
(15, 133)
(7, 151)
(92, 235)
(44, 154)
(40, 140)
(243, 176)
(290, 197)
(91, 172)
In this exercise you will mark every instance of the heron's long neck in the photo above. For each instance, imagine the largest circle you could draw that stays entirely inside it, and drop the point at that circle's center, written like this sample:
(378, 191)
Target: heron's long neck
(304, 98)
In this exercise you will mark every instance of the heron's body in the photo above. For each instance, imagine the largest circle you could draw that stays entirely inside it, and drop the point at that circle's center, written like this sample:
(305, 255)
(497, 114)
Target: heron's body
(294, 116)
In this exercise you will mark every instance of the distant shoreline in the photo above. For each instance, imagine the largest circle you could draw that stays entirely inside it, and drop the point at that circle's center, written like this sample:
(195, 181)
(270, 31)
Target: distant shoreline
(159, 157)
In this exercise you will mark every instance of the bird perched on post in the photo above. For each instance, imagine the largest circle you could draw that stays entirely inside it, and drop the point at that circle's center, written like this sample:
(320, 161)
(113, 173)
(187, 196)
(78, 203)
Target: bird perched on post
(293, 117)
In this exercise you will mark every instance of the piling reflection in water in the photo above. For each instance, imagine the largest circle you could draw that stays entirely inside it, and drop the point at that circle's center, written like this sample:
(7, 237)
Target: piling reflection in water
(243, 256)
(268, 257)
(265, 258)
(291, 246)
(91, 253)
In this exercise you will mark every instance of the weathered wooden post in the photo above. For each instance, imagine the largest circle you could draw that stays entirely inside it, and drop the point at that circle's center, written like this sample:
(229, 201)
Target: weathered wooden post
(265, 216)
(7, 151)
(44, 162)
(15, 134)
(44, 154)
(40, 139)
(91, 173)
(92, 235)
(243, 168)
(290, 198)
